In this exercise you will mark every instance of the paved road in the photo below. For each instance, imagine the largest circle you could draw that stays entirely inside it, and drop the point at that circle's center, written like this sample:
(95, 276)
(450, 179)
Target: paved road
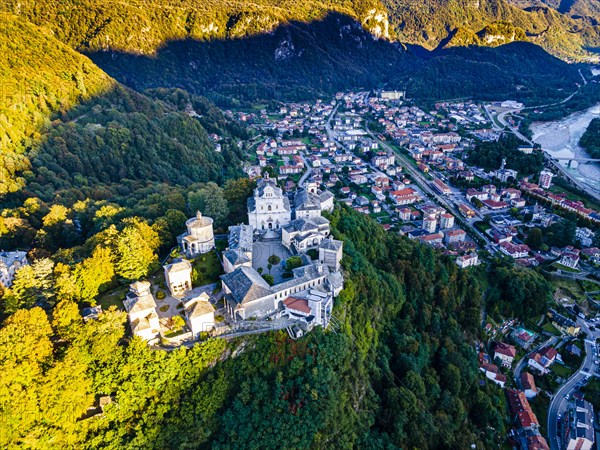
(559, 401)
(522, 364)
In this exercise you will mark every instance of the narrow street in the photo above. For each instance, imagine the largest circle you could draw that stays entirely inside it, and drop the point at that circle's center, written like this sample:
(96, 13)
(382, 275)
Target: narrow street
(558, 404)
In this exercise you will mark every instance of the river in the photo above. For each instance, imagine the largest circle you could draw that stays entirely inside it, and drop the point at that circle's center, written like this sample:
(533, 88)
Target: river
(561, 139)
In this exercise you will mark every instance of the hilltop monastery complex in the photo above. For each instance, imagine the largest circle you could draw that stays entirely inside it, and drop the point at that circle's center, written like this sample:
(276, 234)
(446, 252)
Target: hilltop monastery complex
(293, 226)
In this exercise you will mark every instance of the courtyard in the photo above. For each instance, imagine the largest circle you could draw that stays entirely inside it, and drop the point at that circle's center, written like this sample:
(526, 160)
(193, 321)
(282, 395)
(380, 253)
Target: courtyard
(262, 250)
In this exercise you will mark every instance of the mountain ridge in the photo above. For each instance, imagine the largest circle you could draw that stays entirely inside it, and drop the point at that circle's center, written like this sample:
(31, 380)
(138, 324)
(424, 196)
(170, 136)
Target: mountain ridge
(143, 27)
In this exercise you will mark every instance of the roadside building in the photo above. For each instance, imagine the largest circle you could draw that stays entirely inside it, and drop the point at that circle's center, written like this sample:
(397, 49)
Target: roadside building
(505, 352)
(528, 383)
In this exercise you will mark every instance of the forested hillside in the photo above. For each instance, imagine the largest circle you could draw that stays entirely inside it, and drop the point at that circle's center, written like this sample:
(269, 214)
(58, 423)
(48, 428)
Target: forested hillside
(397, 369)
(590, 141)
(143, 27)
(65, 124)
(39, 77)
(299, 61)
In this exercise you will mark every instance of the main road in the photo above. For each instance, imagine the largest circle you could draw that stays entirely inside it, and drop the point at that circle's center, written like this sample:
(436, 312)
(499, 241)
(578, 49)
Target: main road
(559, 400)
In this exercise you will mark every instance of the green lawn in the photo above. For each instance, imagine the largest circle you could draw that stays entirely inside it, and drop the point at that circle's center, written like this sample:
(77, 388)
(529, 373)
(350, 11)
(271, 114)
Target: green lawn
(575, 196)
(482, 226)
(551, 329)
(590, 286)
(564, 268)
(562, 371)
(206, 269)
(113, 297)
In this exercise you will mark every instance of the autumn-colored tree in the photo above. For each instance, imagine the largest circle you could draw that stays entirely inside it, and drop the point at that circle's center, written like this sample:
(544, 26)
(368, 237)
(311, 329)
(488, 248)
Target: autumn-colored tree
(135, 248)
(94, 273)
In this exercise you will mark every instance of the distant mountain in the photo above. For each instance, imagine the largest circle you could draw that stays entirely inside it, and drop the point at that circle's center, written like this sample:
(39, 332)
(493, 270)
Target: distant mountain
(300, 60)
(566, 28)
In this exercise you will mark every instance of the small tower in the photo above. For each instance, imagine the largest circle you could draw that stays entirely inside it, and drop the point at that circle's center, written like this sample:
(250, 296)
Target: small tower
(330, 253)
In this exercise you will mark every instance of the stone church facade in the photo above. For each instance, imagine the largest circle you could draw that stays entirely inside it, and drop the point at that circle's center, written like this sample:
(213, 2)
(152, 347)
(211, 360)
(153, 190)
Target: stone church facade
(268, 208)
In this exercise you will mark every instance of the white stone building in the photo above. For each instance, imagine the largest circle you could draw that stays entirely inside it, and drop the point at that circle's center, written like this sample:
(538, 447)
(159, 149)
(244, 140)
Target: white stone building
(239, 251)
(308, 205)
(178, 276)
(330, 253)
(10, 262)
(199, 237)
(304, 234)
(268, 208)
(199, 313)
(141, 311)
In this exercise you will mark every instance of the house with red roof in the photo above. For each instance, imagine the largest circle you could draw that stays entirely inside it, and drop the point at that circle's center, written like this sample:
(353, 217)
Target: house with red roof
(542, 359)
(505, 352)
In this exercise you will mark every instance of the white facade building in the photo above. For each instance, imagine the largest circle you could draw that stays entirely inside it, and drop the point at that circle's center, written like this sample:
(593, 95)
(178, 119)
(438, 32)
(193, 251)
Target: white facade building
(178, 276)
(199, 313)
(268, 208)
(141, 311)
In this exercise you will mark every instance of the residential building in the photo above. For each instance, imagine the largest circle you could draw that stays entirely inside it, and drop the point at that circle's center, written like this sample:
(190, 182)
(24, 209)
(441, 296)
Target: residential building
(505, 352)
(528, 383)
(446, 221)
(542, 359)
(522, 337)
(546, 179)
(585, 236)
(492, 372)
(469, 260)
(514, 250)
(452, 236)
(429, 224)
(564, 324)
(581, 434)
(404, 196)
(570, 257)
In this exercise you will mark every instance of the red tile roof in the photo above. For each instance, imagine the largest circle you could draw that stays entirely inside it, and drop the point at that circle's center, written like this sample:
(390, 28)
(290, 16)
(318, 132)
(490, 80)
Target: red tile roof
(520, 408)
(299, 304)
(505, 349)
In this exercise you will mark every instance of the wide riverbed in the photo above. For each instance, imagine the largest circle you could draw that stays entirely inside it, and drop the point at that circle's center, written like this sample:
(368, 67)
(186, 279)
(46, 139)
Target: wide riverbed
(561, 139)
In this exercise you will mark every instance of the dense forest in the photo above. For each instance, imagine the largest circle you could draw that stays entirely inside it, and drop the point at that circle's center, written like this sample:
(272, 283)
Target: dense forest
(590, 141)
(66, 125)
(397, 369)
(300, 61)
(489, 155)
